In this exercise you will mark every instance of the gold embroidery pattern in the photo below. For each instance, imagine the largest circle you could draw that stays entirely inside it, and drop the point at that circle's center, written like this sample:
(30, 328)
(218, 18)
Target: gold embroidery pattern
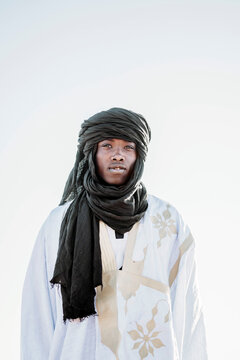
(106, 300)
(165, 224)
(106, 303)
(129, 288)
(128, 284)
(146, 342)
(182, 249)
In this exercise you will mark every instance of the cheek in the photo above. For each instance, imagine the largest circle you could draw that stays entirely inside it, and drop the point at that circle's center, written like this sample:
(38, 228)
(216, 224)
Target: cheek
(133, 160)
(99, 162)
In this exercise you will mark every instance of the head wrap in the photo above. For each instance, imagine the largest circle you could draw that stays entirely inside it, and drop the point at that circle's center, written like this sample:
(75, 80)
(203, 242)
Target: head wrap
(78, 267)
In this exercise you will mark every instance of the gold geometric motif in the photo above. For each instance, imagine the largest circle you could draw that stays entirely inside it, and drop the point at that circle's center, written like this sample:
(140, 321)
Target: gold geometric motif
(182, 249)
(165, 224)
(127, 280)
(106, 303)
(134, 268)
(106, 299)
(147, 341)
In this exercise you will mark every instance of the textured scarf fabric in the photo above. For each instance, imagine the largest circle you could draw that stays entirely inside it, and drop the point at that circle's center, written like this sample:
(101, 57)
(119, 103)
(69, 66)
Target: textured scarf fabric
(78, 267)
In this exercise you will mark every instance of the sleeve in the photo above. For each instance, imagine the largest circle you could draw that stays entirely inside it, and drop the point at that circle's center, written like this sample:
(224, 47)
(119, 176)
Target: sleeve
(38, 306)
(187, 312)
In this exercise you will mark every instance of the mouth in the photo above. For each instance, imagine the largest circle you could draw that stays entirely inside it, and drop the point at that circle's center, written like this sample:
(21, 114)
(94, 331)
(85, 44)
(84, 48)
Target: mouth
(117, 169)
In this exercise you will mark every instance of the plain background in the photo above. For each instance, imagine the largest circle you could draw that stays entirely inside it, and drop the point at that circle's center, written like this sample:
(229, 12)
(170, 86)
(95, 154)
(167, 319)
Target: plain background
(177, 63)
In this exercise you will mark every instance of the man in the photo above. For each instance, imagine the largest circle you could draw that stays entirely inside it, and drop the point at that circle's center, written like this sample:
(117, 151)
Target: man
(112, 274)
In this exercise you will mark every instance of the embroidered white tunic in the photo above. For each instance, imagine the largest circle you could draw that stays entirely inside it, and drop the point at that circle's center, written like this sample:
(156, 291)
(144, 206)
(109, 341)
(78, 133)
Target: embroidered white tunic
(149, 309)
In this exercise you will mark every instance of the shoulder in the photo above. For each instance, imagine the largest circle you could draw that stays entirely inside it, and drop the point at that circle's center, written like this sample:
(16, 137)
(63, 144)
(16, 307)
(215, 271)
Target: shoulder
(55, 217)
(166, 218)
(157, 205)
(49, 235)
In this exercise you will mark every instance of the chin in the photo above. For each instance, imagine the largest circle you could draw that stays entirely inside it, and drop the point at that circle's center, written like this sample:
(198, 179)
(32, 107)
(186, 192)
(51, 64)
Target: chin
(115, 181)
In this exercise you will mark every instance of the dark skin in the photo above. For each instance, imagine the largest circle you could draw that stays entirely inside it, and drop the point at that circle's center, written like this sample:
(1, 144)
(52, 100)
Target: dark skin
(115, 159)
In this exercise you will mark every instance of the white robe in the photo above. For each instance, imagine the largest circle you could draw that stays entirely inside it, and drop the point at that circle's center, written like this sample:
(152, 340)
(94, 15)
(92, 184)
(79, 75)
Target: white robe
(149, 309)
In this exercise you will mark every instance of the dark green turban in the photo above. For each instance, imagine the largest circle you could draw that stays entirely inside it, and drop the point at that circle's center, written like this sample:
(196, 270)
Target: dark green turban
(78, 266)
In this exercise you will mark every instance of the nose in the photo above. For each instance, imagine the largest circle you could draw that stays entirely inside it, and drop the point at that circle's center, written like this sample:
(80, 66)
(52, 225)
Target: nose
(117, 156)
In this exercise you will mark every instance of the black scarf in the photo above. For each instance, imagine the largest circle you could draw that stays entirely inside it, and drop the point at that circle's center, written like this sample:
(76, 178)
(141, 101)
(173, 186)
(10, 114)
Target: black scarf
(78, 267)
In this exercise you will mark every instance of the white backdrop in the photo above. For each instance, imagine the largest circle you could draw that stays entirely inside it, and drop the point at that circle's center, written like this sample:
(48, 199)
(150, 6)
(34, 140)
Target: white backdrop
(175, 62)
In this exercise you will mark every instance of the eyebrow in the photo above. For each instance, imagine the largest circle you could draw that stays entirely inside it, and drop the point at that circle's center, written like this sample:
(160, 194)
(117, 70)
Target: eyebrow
(112, 140)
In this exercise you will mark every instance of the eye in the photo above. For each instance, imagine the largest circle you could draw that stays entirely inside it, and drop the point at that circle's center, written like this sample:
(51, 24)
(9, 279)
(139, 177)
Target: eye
(130, 147)
(106, 145)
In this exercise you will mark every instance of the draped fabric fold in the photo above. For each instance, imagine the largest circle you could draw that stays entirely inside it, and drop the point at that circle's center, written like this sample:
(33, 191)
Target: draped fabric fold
(78, 267)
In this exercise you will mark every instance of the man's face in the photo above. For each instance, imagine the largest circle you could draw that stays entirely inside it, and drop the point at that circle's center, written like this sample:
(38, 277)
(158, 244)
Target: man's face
(115, 159)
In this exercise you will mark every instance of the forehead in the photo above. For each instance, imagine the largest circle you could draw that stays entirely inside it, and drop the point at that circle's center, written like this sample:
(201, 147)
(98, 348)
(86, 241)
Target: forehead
(117, 140)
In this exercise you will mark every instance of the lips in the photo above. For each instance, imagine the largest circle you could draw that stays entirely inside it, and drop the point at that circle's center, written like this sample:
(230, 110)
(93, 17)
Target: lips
(117, 168)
